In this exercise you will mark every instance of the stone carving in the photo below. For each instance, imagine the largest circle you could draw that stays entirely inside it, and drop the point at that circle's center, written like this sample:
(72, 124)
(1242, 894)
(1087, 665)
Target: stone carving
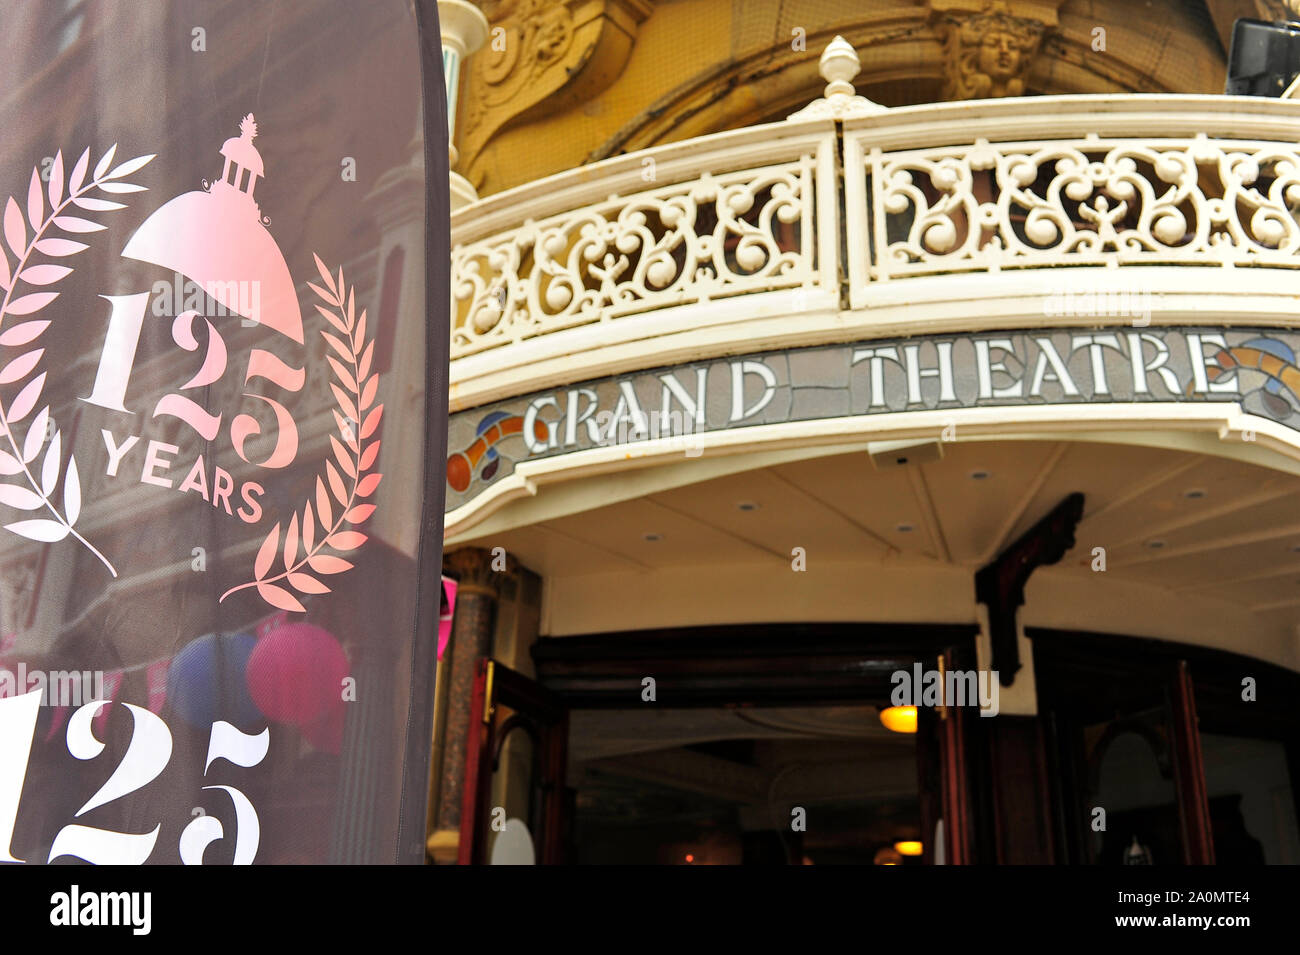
(534, 34)
(987, 54)
(542, 56)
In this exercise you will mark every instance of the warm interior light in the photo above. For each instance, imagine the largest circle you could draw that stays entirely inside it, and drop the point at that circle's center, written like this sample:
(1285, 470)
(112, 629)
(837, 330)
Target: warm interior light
(900, 719)
(690, 858)
(908, 847)
(887, 856)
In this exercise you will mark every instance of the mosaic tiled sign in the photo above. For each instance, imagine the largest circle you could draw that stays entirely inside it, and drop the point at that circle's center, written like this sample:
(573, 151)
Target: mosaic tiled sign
(1256, 368)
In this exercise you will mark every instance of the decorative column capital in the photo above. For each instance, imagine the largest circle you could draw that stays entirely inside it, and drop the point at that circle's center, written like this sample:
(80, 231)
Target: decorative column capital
(478, 571)
(464, 27)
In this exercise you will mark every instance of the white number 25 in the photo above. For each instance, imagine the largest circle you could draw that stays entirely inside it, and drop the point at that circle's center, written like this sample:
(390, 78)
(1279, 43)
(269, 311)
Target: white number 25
(146, 757)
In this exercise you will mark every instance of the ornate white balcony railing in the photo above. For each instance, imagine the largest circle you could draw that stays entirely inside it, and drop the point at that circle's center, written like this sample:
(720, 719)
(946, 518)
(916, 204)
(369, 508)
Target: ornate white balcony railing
(1082, 202)
(651, 243)
(937, 217)
(1206, 182)
(689, 243)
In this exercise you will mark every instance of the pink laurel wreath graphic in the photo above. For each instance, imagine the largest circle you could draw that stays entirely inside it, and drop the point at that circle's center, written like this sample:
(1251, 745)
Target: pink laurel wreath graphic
(21, 455)
(339, 493)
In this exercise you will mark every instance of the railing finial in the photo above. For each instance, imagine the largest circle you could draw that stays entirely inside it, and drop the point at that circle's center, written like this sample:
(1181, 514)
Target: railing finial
(839, 64)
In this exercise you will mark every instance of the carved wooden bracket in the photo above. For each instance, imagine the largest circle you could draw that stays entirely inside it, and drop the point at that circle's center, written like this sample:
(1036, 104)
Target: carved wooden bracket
(1000, 585)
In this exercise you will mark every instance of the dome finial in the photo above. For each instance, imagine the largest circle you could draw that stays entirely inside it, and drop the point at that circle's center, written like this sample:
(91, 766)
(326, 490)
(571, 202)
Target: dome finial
(242, 155)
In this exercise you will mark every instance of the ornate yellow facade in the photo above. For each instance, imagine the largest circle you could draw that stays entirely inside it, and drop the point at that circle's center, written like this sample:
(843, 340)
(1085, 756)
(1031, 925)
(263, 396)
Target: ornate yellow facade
(560, 84)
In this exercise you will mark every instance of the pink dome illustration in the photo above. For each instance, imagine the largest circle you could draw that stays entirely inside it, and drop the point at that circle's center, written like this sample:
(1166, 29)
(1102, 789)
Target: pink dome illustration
(218, 240)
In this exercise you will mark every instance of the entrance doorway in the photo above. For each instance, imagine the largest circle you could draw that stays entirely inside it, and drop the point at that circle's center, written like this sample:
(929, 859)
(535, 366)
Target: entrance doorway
(742, 785)
(1167, 754)
(734, 745)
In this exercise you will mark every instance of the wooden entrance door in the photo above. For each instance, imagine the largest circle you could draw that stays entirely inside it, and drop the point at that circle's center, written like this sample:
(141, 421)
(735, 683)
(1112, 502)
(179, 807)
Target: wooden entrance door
(514, 770)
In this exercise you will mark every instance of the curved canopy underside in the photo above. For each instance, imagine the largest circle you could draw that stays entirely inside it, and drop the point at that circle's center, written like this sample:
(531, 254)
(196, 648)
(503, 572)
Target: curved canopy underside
(1174, 543)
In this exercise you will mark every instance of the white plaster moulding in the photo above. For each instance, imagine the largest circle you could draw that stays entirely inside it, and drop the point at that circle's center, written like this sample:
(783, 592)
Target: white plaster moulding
(503, 373)
(1191, 287)
(623, 175)
(740, 326)
(1142, 116)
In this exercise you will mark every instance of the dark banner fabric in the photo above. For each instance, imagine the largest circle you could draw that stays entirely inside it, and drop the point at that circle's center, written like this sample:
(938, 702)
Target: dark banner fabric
(215, 642)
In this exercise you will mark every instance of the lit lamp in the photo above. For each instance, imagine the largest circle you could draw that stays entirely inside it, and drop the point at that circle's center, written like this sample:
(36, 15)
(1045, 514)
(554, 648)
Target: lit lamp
(908, 847)
(899, 719)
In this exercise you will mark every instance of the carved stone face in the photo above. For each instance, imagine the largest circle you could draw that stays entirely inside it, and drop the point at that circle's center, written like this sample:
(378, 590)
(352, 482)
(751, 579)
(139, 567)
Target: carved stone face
(553, 35)
(999, 55)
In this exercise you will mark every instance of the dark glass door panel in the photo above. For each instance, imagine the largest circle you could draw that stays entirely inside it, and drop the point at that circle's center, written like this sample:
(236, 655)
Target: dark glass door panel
(515, 800)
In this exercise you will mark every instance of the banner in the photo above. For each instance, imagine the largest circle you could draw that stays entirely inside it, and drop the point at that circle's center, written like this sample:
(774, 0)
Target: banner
(218, 641)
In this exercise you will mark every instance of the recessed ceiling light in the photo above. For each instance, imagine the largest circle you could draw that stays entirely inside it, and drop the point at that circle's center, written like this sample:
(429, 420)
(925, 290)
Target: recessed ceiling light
(747, 506)
(1155, 545)
(654, 537)
(1194, 494)
(905, 528)
(979, 475)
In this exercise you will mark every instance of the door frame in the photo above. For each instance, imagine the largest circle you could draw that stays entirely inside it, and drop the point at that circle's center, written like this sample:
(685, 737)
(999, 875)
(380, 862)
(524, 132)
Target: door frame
(1200, 686)
(795, 664)
(760, 665)
(546, 719)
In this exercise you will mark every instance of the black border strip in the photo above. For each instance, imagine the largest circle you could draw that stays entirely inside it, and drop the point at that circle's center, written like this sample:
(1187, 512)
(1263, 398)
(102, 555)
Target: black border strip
(411, 834)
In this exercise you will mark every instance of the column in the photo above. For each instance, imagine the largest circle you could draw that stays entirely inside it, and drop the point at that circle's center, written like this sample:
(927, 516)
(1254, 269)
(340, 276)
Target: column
(464, 30)
(471, 641)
